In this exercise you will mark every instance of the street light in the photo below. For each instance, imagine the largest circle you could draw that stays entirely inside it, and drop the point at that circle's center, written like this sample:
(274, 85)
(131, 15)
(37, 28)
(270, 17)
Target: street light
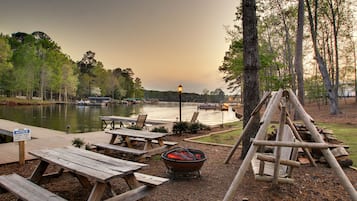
(179, 90)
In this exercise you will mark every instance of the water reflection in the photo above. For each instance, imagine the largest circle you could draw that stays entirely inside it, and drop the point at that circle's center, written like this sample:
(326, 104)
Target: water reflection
(79, 119)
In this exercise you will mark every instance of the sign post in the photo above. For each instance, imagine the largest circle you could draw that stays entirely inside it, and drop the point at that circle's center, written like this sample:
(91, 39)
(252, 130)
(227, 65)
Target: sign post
(21, 135)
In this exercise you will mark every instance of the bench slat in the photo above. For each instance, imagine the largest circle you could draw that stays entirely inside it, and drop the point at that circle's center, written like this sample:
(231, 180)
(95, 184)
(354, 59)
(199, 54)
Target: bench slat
(168, 143)
(132, 195)
(122, 149)
(26, 190)
(149, 179)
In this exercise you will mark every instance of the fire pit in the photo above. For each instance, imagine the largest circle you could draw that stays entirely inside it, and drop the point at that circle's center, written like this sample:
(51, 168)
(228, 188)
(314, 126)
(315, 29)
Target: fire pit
(183, 162)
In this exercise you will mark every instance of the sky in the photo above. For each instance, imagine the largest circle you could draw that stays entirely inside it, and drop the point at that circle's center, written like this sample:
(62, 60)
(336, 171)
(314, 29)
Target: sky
(165, 42)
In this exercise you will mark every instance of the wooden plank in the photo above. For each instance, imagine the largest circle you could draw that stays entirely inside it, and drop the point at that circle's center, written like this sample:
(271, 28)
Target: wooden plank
(292, 144)
(149, 179)
(26, 190)
(137, 133)
(122, 149)
(169, 143)
(88, 163)
(107, 159)
(132, 195)
(271, 159)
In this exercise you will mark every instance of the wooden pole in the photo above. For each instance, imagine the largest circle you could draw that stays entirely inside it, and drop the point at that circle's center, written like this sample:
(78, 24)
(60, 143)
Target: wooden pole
(253, 115)
(280, 138)
(326, 152)
(291, 144)
(297, 135)
(272, 107)
(22, 152)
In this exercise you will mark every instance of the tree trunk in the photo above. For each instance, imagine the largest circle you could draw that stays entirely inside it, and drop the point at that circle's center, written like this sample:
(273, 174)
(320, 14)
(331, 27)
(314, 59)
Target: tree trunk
(251, 67)
(331, 95)
(298, 53)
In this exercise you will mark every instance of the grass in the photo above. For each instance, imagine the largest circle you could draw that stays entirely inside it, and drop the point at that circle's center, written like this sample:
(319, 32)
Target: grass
(343, 132)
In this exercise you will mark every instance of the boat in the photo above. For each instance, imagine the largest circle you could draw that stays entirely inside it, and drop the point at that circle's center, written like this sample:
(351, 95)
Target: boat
(213, 106)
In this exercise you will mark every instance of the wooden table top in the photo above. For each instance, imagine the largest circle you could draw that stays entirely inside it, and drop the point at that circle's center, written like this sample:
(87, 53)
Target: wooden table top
(137, 133)
(88, 163)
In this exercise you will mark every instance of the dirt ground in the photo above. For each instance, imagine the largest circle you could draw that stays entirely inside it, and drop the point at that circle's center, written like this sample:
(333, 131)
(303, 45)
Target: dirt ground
(311, 183)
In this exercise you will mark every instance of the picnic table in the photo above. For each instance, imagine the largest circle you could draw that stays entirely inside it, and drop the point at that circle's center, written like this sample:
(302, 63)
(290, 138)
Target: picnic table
(112, 120)
(88, 165)
(128, 136)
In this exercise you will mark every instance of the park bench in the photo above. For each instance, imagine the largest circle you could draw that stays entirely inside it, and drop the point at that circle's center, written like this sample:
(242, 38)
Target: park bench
(25, 189)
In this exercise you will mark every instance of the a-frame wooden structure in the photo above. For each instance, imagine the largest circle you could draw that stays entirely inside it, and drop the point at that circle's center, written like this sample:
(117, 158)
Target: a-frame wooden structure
(277, 102)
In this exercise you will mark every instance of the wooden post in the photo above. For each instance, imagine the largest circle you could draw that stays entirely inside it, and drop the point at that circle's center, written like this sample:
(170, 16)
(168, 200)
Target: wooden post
(326, 152)
(22, 152)
(272, 107)
(280, 137)
(253, 115)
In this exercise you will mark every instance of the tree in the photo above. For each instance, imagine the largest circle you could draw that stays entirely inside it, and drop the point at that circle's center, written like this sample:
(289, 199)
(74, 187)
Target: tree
(251, 68)
(5, 63)
(313, 20)
(298, 52)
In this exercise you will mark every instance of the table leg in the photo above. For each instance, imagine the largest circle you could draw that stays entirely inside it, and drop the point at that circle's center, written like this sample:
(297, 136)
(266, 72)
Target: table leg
(131, 181)
(104, 124)
(37, 174)
(83, 180)
(113, 139)
(97, 192)
(113, 125)
(128, 142)
(161, 142)
(148, 145)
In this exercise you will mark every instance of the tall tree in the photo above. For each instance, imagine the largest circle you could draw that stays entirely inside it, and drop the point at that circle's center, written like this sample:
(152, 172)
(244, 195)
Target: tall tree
(5, 63)
(298, 52)
(251, 68)
(313, 20)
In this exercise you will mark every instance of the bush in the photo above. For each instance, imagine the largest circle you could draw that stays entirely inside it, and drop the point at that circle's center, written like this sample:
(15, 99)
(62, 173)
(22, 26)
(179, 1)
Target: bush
(78, 142)
(180, 127)
(186, 127)
(160, 129)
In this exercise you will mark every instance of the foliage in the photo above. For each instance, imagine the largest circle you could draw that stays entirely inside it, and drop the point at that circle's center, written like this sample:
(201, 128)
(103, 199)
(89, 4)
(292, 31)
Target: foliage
(187, 127)
(160, 129)
(34, 65)
(134, 127)
(78, 142)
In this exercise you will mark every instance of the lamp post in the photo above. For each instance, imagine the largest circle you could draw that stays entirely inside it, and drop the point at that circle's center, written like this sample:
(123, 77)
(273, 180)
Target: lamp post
(179, 90)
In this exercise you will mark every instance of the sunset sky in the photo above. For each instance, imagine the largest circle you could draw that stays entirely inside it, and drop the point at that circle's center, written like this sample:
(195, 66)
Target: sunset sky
(165, 42)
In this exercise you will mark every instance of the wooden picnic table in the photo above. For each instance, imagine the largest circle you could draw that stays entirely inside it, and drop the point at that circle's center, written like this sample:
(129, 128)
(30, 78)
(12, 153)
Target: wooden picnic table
(111, 120)
(87, 165)
(128, 136)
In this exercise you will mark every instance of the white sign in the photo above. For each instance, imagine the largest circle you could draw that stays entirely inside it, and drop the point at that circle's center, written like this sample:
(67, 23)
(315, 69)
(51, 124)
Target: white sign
(21, 134)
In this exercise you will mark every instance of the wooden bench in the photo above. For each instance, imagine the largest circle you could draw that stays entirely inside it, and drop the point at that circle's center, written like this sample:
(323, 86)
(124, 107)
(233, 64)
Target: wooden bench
(122, 149)
(25, 189)
(150, 180)
(168, 143)
(138, 193)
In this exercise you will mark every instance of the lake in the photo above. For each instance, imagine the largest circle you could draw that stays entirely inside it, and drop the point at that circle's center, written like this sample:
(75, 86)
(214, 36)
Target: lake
(81, 119)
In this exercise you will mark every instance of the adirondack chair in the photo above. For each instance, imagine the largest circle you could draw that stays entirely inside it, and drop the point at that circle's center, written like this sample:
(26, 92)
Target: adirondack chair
(140, 122)
(194, 117)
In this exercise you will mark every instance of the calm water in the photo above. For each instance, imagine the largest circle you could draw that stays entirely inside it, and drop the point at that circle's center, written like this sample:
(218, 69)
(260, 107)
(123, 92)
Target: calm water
(86, 118)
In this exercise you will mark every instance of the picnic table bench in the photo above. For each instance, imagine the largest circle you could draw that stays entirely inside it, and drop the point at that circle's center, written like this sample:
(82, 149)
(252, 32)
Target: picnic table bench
(26, 190)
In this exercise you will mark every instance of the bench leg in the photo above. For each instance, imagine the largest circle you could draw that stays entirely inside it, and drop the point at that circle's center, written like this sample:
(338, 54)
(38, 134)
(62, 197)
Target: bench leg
(37, 174)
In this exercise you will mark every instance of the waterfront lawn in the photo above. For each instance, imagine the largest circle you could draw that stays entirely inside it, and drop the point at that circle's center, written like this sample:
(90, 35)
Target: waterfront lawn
(343, 132)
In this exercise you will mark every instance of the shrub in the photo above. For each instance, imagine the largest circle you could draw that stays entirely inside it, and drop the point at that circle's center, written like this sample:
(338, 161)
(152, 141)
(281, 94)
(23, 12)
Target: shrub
(160, 129)
(78, 142)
